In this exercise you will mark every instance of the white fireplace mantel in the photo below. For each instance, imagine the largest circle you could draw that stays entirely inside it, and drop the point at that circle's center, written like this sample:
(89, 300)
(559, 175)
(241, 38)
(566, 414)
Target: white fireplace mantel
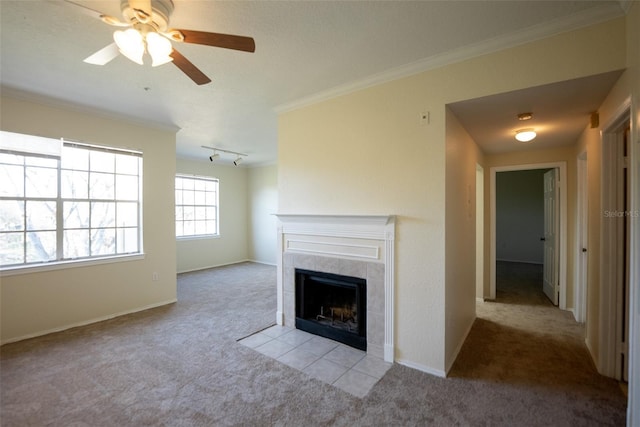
(367, 238)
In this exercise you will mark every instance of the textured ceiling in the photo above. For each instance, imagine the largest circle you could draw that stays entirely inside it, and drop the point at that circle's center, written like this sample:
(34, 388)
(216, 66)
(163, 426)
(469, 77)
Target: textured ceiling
(303, 49)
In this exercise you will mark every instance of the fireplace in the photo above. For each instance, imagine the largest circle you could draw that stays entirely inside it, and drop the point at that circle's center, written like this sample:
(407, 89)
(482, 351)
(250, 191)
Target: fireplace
(332, 306)
(352, 246)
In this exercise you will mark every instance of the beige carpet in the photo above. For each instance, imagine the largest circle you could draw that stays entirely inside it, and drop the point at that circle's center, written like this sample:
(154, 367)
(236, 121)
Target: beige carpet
(524, 363)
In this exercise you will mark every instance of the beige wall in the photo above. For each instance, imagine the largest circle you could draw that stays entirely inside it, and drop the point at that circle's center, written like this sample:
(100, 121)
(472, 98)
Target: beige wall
(248, 200)
(232, 244)
(367, 153)
(35, 303)
(460, 236)
(263, 203)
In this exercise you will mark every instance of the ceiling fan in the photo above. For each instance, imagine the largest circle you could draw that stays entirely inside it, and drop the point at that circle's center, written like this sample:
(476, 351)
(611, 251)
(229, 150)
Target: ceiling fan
(145, 28)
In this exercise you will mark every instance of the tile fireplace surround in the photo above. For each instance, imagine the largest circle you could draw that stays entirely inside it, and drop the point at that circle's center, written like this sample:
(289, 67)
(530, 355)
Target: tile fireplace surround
(350, 245)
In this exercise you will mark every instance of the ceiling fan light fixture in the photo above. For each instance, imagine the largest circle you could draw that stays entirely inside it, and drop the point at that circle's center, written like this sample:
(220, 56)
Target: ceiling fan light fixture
(525, 135)
(130, 43)
(159, 49)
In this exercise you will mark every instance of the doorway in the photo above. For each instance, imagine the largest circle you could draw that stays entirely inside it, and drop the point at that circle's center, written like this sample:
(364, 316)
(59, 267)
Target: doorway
(582, 243)
(561, 168)
(479, 233)
(615, 248)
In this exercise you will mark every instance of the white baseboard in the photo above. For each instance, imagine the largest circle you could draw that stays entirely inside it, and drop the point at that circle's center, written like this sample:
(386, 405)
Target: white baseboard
(263, 262)
(591, 353)
(214, 266)
(480, 300)
(224, 265)
(573, 312)
(457, 350)
(87, 322)
(520, 261)
(423, 368)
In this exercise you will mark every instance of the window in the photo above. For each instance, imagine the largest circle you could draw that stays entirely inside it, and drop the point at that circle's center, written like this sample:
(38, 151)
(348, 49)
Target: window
(62, 200)
(196, 206)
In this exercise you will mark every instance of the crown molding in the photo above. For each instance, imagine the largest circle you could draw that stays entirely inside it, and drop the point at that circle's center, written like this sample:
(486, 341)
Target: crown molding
(583, 19)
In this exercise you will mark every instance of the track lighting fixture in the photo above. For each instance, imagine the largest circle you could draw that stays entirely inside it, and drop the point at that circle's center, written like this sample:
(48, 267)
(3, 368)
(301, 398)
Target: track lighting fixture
(216, 155)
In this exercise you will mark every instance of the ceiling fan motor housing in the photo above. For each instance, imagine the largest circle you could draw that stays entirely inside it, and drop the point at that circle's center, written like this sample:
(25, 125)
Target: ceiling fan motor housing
(161, 11)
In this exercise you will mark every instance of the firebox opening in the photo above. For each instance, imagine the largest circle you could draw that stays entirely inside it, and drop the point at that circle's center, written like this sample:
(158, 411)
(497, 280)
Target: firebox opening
(332, 306)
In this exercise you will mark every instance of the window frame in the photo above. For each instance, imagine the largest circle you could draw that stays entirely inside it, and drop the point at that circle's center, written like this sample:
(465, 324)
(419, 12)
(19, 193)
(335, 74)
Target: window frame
(58, 260)
(215, 206)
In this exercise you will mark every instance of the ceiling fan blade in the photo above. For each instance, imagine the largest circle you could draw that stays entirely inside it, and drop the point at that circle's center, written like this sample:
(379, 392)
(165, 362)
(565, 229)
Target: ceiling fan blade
(108, 19)
(189, 69)
(227, 41)
(104, 55)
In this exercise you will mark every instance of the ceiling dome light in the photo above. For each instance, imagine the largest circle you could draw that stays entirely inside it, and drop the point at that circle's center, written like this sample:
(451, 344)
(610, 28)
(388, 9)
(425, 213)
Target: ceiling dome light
(525, 116)
(525, 135)
(130, 44)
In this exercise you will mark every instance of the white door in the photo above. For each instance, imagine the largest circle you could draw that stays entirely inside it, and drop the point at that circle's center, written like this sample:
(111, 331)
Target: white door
(580, 291)
(550, 275)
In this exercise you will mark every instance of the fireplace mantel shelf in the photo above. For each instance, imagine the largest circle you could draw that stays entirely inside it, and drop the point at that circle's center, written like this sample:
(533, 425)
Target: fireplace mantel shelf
(358, 226)
(346, 219)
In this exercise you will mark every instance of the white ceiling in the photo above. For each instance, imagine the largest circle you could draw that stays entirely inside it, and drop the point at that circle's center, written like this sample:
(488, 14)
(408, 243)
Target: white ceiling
(305, 51)
(561, 111)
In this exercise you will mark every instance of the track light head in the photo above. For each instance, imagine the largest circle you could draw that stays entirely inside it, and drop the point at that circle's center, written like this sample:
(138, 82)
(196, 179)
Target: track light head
(217, 151)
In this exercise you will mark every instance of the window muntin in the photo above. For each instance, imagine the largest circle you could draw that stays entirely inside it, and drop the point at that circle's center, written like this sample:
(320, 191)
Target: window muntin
(82, 203)
(196, 206)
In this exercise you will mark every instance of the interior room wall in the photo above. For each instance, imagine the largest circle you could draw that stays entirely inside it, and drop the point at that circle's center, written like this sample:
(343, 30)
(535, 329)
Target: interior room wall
(46, 301)
(232, 245)
(462, 157)
(367, 152)
(263, 204)
(520, 216)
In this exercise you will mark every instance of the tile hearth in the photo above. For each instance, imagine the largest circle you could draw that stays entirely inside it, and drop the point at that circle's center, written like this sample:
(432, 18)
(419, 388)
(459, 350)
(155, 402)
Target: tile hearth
(344, 367)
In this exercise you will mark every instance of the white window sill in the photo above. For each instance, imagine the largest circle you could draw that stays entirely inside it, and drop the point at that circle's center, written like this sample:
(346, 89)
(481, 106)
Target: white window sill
(61, 265)
(200, 237)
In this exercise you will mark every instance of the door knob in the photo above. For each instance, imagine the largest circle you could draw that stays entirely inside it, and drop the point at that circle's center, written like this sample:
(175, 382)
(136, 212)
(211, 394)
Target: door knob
(584, 249)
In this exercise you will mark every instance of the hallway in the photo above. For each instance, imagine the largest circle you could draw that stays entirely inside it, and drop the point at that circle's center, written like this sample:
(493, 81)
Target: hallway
(522, 341)
(520, 283)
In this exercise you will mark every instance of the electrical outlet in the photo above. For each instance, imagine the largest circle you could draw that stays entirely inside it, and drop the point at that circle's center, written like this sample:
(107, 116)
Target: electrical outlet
(154, 276)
